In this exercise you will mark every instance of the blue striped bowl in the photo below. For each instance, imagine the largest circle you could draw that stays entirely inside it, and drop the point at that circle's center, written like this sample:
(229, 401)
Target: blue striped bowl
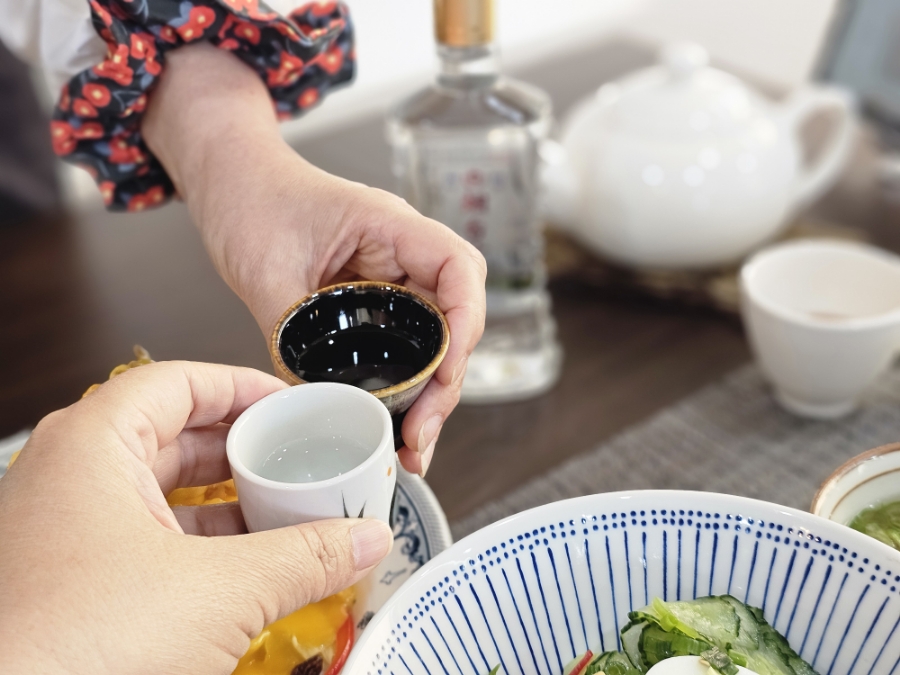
(532, 591)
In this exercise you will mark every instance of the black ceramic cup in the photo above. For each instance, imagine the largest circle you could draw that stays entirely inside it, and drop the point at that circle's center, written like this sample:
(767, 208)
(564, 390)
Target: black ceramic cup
(378, 336)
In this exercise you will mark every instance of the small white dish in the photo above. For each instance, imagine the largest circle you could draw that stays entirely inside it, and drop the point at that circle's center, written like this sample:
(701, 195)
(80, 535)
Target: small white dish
(532, 591)
(869, 479)
(823, 318)
(314, 413)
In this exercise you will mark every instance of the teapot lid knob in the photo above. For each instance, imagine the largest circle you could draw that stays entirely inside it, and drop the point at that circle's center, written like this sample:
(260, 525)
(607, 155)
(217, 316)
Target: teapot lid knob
(683, 59)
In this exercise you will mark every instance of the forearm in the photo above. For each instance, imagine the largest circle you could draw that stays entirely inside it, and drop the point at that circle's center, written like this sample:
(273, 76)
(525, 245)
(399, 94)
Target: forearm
(212, 124)
(209, 118)
(277, 228)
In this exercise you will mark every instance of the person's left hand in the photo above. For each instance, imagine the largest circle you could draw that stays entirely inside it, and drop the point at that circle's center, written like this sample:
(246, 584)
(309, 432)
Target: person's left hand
(98, 576)
(324, 230)
(277, 228)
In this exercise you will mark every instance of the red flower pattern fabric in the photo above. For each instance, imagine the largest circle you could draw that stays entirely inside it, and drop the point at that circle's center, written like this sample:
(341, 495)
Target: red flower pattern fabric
(97, 120)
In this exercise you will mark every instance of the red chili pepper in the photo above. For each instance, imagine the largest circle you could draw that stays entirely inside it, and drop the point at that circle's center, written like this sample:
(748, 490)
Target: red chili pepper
(582, 665)
(344, 643)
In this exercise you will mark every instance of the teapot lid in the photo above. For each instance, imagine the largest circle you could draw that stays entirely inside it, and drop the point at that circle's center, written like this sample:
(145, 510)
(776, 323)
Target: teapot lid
(682, 96)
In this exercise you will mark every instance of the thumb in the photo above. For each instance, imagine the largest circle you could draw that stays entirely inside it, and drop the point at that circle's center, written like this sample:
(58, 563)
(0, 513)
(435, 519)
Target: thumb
(279, 571)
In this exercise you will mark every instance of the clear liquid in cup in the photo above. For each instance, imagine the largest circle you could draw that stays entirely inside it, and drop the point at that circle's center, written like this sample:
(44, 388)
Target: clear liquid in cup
(313, 458)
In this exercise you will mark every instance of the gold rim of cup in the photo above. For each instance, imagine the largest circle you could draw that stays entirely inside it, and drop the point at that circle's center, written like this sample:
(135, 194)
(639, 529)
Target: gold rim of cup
(287, 375)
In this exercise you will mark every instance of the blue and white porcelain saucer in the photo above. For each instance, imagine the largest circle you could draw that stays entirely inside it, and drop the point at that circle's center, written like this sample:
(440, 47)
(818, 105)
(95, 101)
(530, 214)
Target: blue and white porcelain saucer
(420, 533)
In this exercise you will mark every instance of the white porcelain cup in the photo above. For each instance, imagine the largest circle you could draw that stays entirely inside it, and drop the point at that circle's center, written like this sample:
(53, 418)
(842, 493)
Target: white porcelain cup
(823, 318)
(322, 410)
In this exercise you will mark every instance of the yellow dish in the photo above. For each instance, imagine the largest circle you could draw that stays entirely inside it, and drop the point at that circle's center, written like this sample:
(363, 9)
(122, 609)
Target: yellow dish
(322, 631)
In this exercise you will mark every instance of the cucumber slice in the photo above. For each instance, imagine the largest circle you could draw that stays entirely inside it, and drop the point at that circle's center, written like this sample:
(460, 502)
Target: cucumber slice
(748, 626)
(737, 633)
(612, 663)
(658, 644)
(765, 662)
(800, 666)
(598, 665)
(647, 613)
(631, 644)
(711, 619)
(775, 656)
(738, 658)
(601, 659)
(757, 613)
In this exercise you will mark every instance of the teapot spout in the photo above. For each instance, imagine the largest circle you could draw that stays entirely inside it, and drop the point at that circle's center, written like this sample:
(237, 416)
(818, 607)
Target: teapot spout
(558, 199)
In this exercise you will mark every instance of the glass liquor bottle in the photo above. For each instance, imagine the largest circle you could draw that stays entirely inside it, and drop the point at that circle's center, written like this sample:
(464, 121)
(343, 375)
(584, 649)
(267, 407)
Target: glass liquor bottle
(465, 152)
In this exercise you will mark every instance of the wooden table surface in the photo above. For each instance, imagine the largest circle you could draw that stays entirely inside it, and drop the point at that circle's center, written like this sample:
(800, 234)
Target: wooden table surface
(77, 292)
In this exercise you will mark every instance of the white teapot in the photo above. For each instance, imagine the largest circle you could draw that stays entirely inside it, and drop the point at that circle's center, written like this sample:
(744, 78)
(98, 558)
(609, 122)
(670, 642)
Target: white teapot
(684, 166)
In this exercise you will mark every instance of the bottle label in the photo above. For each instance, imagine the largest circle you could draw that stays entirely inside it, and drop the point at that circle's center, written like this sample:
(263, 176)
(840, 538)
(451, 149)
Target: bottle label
(488, 199)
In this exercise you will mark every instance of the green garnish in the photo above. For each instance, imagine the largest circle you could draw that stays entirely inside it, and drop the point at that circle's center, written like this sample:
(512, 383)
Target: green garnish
(721, 630)
(719, 661)
(881, 523)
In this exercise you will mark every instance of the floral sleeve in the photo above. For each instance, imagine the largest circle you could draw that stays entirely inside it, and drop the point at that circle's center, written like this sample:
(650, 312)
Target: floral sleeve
(97, 121)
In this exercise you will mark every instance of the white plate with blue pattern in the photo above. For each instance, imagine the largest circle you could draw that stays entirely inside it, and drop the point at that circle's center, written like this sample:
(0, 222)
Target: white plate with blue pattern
(532, 591)
(420, 533)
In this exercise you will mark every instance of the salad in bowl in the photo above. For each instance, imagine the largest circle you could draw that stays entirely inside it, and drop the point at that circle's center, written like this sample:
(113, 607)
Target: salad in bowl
(625, 583)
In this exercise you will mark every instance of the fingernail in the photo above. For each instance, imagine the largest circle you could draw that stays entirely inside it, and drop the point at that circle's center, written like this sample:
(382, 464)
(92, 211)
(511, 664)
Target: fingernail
(459, 371)
(372, 540)
(429, 431)
(426, 458)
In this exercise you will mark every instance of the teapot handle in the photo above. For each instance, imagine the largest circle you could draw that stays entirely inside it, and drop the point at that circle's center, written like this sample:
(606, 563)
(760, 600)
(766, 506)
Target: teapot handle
(814, 180)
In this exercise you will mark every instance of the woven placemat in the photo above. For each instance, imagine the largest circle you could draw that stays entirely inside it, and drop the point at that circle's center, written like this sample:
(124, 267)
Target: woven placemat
(729, 437)
(717, 289)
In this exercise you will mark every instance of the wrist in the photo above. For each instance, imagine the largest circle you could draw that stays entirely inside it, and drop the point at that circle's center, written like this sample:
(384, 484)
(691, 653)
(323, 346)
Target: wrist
(234, 194)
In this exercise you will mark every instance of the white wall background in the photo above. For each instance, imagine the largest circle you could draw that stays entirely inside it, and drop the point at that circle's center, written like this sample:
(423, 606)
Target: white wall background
(396, 52)
(777, 41)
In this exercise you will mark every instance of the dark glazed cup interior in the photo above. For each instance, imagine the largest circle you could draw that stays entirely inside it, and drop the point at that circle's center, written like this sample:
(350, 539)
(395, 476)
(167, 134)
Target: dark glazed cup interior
(377, 336)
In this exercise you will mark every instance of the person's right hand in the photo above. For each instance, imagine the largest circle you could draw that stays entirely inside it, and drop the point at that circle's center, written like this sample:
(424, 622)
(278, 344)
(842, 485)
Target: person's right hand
(99, 576)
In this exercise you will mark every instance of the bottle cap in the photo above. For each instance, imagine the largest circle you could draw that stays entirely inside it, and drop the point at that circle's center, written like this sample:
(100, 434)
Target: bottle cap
(464, 23)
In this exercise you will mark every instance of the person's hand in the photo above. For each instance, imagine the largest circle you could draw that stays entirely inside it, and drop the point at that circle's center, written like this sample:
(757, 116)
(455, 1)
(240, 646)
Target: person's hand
(278, 228)
(99, 576)
(300, 229)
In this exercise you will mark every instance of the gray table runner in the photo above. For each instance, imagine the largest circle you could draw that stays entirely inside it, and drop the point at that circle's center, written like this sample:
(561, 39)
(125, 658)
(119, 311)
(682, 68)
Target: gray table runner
(729, 437)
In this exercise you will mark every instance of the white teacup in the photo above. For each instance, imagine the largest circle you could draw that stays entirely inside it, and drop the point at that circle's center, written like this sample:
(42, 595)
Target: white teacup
(291, 435)
(823, 318)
